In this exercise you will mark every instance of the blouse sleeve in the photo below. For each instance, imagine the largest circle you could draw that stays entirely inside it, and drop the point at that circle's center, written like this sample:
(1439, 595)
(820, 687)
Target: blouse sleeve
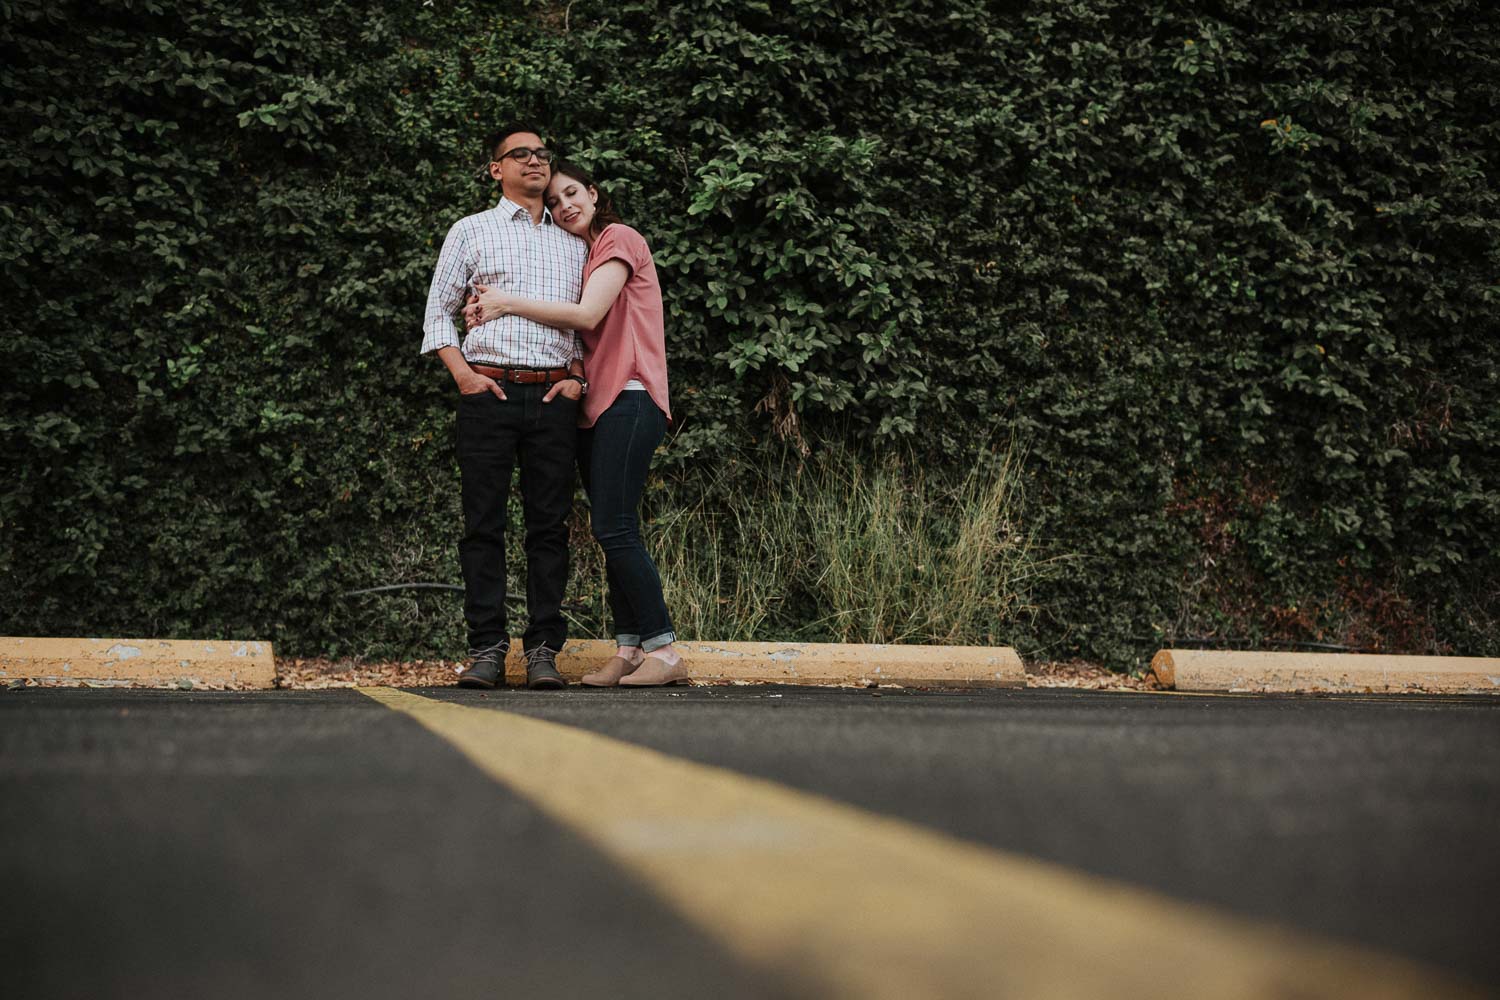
(621, 243)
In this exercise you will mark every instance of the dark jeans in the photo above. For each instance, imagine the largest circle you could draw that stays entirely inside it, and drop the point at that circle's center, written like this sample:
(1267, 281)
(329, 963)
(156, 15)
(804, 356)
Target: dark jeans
(614, 456)
(494, 436)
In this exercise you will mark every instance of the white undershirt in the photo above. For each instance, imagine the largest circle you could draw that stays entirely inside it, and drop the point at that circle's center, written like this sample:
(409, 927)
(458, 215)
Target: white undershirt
(634, 383)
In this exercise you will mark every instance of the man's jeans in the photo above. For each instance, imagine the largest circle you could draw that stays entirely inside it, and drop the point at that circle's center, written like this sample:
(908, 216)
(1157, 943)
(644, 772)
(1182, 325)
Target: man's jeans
(495, 435)
(614, 456)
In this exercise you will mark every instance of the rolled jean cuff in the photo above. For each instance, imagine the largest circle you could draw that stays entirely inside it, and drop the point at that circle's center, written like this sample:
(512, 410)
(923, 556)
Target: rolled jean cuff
(658, 641)
(627, 640)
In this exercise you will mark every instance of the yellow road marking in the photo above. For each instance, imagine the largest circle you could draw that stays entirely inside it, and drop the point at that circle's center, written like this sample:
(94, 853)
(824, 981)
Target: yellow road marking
(867, 906)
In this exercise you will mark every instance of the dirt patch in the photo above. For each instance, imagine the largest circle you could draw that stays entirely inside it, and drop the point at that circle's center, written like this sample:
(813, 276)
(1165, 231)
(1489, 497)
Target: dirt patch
(1086, 676)
(312, 675)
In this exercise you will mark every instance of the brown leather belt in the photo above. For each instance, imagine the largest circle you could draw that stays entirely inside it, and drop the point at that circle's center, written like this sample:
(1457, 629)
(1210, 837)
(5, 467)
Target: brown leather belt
(525, 376)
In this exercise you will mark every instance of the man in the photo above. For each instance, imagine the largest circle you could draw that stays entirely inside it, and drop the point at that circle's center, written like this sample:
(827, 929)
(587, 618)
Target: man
(519, 384)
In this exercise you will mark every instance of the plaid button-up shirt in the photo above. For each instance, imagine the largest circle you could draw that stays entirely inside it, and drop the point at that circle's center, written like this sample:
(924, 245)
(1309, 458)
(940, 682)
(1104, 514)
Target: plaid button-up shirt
(503, 249)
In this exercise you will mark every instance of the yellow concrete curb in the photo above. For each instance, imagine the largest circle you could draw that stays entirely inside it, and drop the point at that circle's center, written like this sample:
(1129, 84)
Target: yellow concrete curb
(810, 663)
(118, 661)
(1225, 670)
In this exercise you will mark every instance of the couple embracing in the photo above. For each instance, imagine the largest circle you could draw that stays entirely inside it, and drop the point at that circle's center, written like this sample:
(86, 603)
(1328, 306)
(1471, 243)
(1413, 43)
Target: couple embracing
(563, 365)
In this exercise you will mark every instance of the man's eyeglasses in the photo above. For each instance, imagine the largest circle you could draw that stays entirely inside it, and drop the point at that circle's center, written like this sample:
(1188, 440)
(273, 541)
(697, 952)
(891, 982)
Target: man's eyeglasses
(521, 154)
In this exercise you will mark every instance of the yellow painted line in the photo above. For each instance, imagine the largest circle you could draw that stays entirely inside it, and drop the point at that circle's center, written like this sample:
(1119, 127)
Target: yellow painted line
(862, 905)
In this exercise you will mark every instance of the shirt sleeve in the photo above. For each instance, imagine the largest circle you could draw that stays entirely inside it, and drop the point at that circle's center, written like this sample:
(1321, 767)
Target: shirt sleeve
(449, 289)
(620, 243)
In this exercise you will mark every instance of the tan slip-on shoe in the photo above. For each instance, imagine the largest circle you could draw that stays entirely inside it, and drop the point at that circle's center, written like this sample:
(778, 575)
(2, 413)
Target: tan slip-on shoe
(655, 672)
(609, 675)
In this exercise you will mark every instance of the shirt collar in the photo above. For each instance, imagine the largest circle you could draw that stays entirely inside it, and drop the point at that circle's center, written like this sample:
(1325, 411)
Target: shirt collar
(510, 210)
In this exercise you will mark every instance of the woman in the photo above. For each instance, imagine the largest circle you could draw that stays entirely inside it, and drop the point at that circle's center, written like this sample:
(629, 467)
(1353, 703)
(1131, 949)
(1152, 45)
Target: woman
(623, 417)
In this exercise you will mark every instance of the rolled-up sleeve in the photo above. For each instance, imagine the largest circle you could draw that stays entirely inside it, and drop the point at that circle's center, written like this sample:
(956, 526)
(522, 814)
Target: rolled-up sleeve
(449, 289)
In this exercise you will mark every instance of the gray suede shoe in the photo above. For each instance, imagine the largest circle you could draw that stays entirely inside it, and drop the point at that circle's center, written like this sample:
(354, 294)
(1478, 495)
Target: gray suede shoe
(486, 667)
(541, 670)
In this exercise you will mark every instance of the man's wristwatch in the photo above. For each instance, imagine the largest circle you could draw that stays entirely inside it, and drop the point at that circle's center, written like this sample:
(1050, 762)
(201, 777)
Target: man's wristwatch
(583, 384)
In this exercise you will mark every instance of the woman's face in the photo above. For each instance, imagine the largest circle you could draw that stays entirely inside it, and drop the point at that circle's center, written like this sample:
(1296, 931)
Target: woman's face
(572, 203)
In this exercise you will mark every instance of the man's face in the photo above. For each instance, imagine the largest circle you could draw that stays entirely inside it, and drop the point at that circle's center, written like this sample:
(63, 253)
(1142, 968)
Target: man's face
(526, 175)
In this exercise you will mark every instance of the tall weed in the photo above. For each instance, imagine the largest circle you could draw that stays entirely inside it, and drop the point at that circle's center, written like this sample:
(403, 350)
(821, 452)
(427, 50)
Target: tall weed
(837, 547)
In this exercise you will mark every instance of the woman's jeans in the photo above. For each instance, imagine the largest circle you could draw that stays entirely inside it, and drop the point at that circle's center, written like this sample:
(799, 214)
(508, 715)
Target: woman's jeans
(613, 457)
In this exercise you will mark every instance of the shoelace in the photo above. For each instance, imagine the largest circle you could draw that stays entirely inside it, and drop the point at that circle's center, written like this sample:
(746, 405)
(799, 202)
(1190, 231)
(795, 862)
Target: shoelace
(496, 653)
(539, 654)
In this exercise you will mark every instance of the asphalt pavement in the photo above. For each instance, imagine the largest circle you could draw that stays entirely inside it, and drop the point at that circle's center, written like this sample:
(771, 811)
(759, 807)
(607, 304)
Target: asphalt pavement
(166, 844)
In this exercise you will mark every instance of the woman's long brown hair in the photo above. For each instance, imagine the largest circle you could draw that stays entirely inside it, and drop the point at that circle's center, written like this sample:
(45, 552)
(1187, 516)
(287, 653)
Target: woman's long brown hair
(604, 208)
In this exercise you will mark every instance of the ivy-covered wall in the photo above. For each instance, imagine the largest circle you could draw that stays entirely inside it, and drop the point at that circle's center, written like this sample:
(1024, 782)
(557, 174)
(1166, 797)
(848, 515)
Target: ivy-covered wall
(1228, 272)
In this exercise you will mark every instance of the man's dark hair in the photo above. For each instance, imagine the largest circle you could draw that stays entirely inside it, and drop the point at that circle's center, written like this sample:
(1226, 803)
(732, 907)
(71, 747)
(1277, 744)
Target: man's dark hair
(498, 137)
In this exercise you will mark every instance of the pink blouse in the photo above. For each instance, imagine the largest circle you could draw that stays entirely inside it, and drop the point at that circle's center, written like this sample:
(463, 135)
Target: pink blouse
(630, 342)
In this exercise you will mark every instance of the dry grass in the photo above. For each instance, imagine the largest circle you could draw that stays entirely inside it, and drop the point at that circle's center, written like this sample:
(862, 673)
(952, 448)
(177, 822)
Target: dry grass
(833, 548)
